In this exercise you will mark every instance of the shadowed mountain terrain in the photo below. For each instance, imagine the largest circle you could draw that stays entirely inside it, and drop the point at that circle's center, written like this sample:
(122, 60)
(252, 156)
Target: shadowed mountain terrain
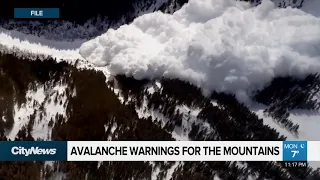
(123, 108)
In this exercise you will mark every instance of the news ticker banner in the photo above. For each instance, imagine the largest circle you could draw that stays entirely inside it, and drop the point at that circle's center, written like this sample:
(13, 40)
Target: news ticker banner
(160, 151)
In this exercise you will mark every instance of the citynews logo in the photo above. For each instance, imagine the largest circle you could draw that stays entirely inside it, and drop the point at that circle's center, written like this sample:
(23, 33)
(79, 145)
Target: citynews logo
(32, 151)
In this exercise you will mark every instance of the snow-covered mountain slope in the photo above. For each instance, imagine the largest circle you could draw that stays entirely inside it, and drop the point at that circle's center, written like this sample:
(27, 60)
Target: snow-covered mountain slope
(59, 30)
(16, 41)
(41, 109)
(185, 118)
(68, 108)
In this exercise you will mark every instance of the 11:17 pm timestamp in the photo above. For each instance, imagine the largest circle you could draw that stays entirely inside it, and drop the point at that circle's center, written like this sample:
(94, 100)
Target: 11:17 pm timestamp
(295, 164)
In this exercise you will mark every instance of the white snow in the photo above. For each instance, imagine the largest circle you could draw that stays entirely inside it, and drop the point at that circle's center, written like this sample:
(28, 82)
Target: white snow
(171, 170)
(60, 30)
(155, 171)
(267, 120)
(189, 116)
(205, 44)
(38, 45)
(58, 176)
(151, 89)
(158, 84)
(308, 126)
(31, 39)
(41, 128)
(308, 121)
(35, 100)
(3, 119)
(113, 128)
(145, 7)
(22, 114)
(144, 112)
(214, 103)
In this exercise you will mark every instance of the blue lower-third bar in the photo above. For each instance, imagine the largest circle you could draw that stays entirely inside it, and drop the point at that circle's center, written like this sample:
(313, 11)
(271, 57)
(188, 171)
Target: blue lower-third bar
(26, 13)
(33, 151)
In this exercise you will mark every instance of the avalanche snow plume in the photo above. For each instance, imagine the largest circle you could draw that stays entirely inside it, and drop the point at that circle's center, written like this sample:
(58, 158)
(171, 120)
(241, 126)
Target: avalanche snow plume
(222, 45)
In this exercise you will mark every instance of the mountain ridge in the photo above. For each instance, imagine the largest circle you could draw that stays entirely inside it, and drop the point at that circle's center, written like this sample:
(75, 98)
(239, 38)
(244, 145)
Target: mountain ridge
(95, 25)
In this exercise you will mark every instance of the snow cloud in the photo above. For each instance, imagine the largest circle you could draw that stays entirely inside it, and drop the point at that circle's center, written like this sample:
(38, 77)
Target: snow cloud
(222, 45)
